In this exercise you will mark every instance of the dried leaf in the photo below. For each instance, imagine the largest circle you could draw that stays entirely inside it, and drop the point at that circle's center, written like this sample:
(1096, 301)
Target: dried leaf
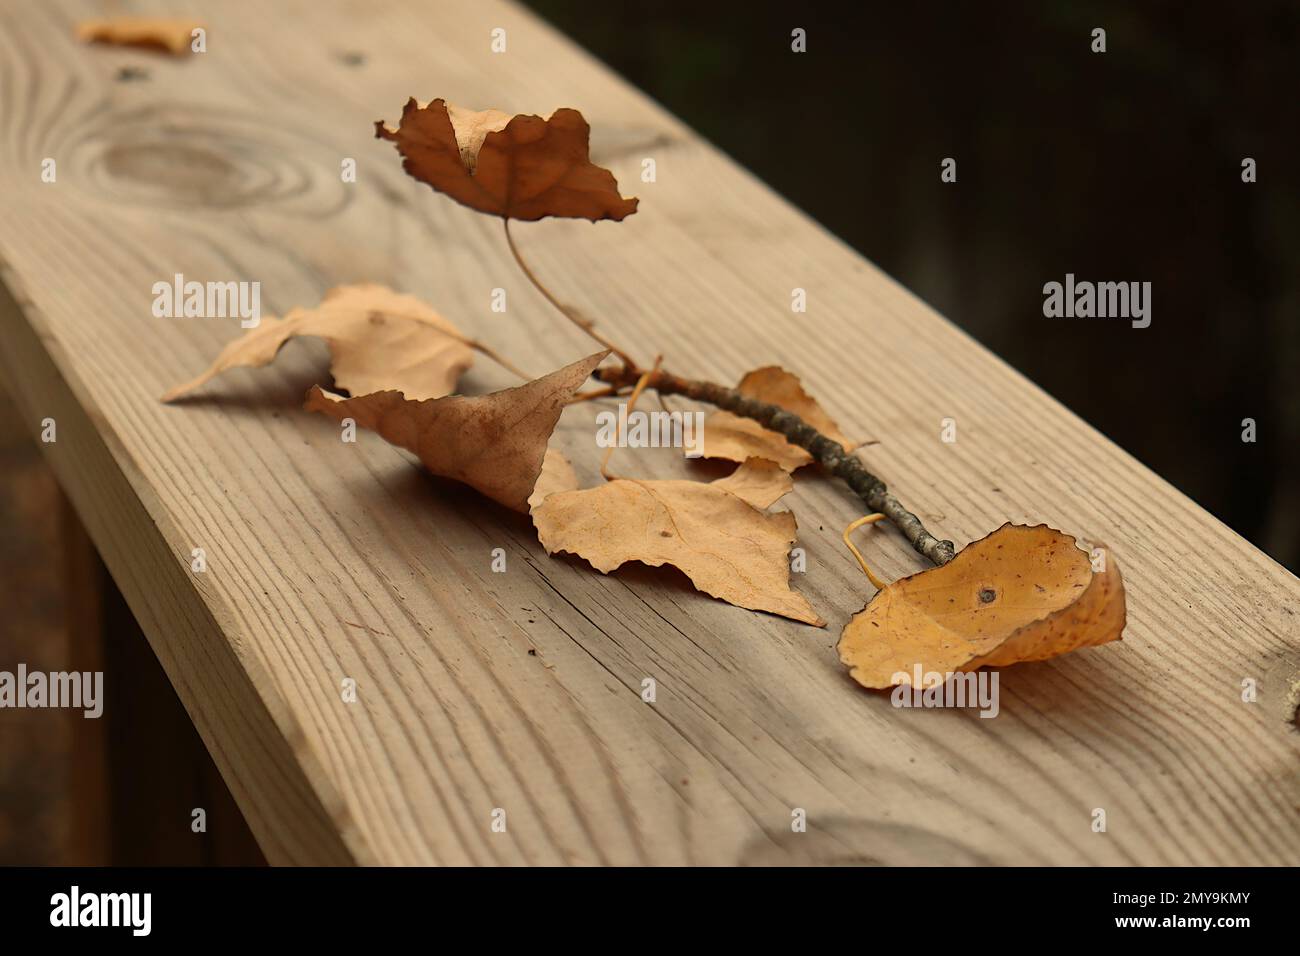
(727, 547)
(380, 339)
(494, 443)
(1019, 594)
(779, 387)
(760, 482)
(172, 35)
(521, 167)
(557, 475)
(735, 438)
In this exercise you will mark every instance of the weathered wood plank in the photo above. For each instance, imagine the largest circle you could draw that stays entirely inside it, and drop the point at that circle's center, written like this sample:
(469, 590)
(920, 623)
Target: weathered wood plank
(522, 690)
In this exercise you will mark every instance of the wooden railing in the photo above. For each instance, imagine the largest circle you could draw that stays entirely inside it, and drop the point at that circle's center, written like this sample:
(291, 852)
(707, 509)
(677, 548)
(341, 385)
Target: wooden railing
(521, 691)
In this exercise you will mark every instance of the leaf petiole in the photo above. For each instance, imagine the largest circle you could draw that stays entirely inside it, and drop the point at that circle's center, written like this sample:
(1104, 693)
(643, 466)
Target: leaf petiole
(567, 311)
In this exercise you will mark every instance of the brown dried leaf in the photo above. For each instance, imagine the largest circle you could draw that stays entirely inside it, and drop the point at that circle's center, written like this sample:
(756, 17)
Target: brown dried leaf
(494, 443)
(735, 438)
(521, 167)
(172, 35)
(379, 339)
(1019, 594)
(760, 482)
(727, 547)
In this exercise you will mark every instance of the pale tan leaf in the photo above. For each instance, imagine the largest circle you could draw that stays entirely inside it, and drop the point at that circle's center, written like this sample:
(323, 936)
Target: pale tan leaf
(471, 128)
(557, 475)
(494, 443)
(759, 481)
(521, 167)
(379, 339)
(727, 547)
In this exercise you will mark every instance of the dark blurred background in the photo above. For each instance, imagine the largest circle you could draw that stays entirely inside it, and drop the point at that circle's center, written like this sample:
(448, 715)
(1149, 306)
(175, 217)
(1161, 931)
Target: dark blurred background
(1122, 166)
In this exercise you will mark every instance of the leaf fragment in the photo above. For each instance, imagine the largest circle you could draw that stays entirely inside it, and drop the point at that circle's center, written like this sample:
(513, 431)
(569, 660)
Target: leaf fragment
(521, 167)
(172, 35)
(1020, 594)
(729, 548)
(379, 339)
(495, 443)
(736, 438)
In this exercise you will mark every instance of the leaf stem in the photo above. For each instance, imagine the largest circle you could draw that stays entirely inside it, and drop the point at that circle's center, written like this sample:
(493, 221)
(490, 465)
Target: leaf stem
(862, 562)
(499, 359)
(631, 404)
(592, 395)
(829, 453)
(568, 312)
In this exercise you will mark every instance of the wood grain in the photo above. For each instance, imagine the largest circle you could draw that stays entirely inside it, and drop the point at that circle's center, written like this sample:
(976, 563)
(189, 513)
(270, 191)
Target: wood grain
(522, 691)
